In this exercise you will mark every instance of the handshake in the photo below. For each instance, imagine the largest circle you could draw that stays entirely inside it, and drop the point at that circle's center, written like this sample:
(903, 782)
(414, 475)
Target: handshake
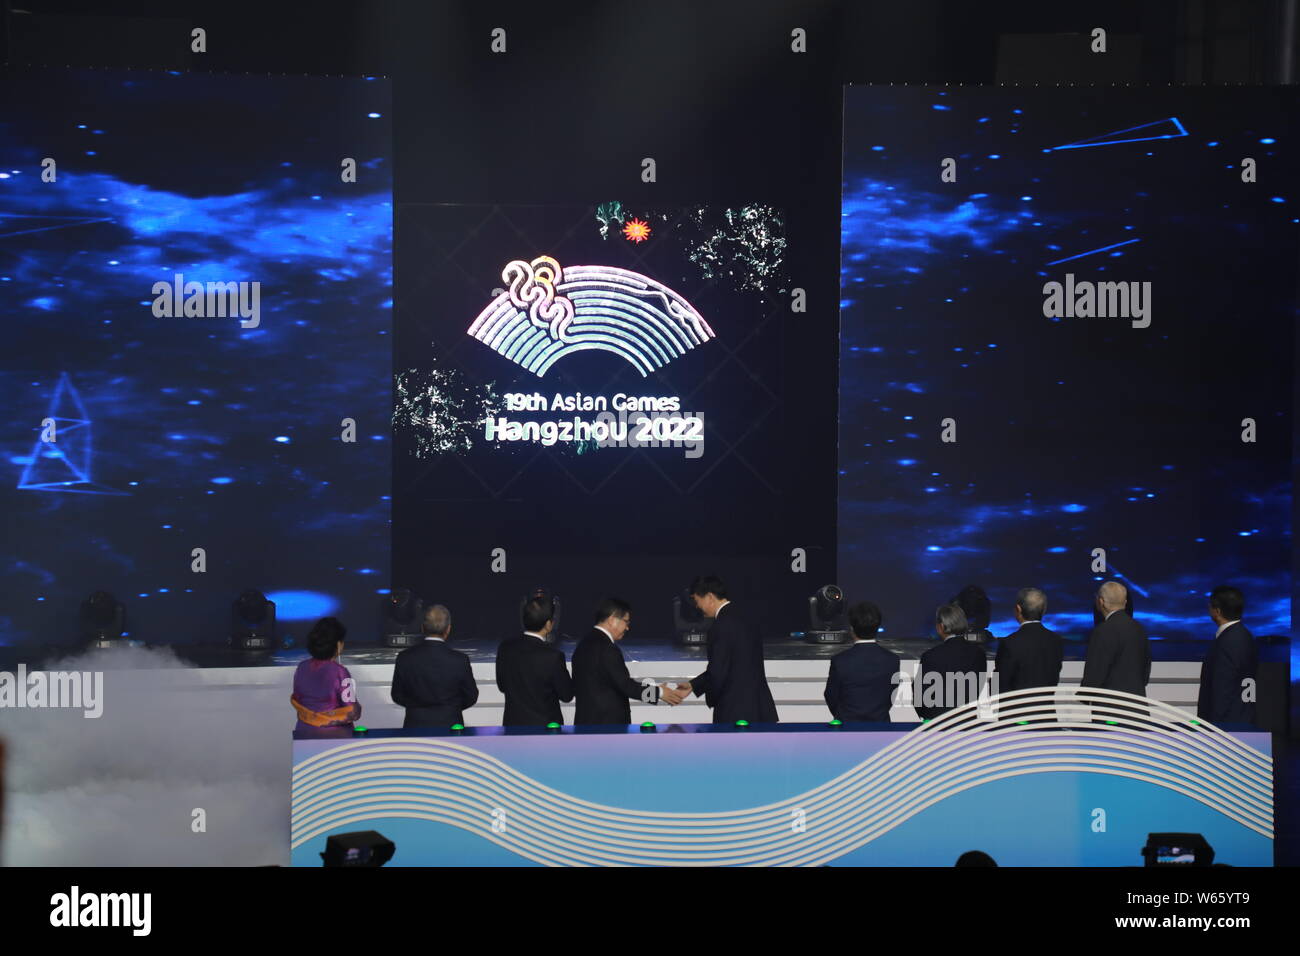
(675, 692)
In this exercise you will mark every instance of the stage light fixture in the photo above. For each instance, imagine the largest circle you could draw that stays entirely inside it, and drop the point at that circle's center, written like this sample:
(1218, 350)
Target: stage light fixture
(689, 622)
(102, 620)
(1177, 849)
(252, 622)
(826, 621)
(403, 613)
(362, 848)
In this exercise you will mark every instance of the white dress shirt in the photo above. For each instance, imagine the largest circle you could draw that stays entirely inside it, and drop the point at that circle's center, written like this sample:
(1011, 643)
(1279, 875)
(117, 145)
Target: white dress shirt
(1225, 625)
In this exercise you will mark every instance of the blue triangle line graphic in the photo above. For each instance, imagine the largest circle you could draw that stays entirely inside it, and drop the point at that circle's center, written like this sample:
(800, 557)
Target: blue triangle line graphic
(1099, 141)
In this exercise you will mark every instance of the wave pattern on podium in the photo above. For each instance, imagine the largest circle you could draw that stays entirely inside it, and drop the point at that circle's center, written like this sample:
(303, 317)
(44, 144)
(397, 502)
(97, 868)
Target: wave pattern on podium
(1021, 732)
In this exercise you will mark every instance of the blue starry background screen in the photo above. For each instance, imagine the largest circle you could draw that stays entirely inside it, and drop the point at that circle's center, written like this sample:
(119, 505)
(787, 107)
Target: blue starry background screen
(1072, 433)
(179, 433)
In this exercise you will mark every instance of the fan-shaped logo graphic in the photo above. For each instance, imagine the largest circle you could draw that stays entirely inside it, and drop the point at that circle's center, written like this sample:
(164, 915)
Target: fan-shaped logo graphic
(550, 311)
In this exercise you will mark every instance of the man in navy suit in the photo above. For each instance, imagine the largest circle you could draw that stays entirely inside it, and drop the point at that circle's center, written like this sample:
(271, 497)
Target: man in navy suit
(602, 686)
(735, 682)
(1232, 662)
(432, 681)
(1030, 657)
(860, 686)
(531, 671)
(1119, 655)
(949, 675)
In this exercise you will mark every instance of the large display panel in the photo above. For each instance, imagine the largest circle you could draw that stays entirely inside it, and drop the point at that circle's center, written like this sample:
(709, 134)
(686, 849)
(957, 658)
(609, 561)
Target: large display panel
(590, 399)
(196, 281)
(1067, 321)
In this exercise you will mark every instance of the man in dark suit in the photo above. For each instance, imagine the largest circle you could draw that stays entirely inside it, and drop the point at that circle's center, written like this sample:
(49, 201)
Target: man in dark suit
(531, 672)
(1119, 655)
(432, 681)
(1232, 662)
(949, 675)
(1031, 656)
(862, 679)
(735, 682)
(601, 681)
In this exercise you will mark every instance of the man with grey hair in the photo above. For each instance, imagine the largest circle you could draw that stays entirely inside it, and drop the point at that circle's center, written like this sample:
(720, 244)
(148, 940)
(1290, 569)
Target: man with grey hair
(949, 675)
(434, 682)
(1119, 655)
(1030, 657)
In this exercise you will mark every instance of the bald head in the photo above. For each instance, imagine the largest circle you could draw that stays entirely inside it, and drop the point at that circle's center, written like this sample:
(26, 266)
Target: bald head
(1113, 596)
(437, 621)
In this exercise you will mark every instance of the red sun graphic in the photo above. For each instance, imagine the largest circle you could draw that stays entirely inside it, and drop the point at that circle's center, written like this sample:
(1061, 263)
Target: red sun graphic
(637, 231)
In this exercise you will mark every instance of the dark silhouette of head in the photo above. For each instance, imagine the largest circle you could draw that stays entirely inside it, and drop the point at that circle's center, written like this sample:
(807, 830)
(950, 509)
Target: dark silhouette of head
(976, 604)
(864, 619)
